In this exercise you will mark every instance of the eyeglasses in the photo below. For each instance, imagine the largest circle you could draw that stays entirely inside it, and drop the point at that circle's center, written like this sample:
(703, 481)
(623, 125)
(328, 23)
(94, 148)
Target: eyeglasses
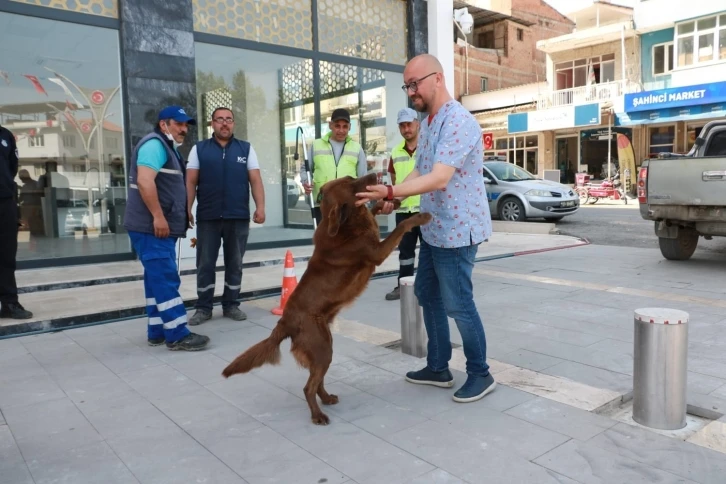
(223, 120)
(413, 85)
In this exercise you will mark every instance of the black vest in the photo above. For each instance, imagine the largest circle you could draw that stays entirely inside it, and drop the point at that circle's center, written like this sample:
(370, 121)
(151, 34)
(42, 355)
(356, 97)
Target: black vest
(170, 187)
(223, 191)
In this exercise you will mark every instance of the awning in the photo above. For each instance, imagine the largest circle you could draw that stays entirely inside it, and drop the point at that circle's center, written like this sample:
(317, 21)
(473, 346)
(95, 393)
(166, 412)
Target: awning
(671, 115)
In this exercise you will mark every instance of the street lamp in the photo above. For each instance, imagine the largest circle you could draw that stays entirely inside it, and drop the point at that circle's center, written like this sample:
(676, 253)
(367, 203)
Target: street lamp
(465, 23)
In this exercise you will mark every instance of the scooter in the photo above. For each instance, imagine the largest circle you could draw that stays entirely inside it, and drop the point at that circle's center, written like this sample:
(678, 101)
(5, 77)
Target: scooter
(610, 188)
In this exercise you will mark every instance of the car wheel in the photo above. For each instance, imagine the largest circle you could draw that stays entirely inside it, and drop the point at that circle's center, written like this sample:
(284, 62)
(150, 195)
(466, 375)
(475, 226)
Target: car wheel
(511, 210)
(680, 248)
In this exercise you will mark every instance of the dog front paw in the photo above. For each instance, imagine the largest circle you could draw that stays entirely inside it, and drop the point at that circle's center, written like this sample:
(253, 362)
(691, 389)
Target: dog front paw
(321, 419)
(330, 400)
(421, 219)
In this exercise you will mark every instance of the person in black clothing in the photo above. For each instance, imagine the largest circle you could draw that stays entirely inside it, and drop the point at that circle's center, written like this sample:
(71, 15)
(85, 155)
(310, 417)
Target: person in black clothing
(10, 307)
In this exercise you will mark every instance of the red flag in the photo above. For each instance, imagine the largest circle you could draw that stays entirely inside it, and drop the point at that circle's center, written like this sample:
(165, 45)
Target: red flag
(36, 83)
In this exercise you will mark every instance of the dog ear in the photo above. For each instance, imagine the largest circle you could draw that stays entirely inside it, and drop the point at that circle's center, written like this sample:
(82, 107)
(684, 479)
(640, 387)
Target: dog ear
(338, 216)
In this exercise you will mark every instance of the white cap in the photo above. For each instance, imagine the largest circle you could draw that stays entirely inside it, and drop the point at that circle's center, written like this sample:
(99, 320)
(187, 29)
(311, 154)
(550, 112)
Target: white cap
(406, 115)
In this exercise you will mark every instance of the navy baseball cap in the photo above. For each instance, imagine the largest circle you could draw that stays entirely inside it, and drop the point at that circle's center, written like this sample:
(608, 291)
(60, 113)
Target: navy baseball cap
(176, 113)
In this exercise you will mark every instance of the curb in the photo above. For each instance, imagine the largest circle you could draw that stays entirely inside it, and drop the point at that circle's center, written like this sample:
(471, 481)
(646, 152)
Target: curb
(105, 317)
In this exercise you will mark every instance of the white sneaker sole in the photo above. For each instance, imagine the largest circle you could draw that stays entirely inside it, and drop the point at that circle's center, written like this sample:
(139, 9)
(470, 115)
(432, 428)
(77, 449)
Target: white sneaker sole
(440, 384)
(483, 394)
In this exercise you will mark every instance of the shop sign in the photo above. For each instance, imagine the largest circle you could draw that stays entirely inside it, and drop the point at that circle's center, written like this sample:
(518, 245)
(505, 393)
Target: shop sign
(554, 118)
(676, 97)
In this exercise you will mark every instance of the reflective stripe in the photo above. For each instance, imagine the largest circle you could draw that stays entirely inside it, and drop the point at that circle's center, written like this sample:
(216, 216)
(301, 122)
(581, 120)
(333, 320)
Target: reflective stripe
(177, 322)
(169, 304)
(288, 272)
(150, 301)
(234, 288)
(401, 158)
(350, 153)
(155, 321)
(409, 209)
(134, 186)
(320, 152)
(203, 289)
(170, 172)
(407, 262)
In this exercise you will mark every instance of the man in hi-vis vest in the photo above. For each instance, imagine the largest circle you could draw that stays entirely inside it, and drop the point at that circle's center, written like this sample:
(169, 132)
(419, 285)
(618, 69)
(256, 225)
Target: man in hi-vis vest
(402, 163)
(333, 156)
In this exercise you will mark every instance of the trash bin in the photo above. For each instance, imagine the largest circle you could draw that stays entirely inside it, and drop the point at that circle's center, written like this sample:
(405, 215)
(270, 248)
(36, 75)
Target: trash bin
(413, 331)
(660, 356)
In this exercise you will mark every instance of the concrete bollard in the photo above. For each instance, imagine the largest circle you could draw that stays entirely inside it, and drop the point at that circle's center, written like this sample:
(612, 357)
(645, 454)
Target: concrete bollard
(659, 368)
(413, 331)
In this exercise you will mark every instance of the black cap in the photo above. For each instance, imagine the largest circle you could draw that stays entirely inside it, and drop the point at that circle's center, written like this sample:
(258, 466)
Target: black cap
(340, 113)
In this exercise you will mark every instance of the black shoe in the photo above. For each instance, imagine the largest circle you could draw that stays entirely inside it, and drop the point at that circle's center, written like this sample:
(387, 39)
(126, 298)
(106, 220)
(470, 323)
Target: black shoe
(190, 342)
(156, 341)
(14, 310)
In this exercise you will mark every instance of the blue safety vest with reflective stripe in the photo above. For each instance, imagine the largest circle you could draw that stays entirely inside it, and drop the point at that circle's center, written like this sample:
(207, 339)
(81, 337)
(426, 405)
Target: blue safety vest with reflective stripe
(170, 187)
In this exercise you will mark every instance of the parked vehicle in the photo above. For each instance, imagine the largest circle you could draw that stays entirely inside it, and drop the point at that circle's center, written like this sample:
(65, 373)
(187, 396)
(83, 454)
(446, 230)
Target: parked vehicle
(685, 195)
(514, 194)
(610, 188)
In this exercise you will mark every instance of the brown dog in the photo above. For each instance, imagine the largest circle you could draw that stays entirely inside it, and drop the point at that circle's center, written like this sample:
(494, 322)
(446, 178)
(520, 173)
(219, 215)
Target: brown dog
(347, 250)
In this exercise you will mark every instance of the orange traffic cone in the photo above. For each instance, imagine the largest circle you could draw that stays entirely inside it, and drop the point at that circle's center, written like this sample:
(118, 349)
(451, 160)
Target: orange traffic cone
(289, 283)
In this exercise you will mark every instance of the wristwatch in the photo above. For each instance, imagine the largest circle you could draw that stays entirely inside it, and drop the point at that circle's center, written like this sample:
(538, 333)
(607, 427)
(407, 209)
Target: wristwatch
(390, 192)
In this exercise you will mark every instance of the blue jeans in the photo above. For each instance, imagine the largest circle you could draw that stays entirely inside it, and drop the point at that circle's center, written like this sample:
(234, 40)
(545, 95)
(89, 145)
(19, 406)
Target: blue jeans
(164, 305)
(444, 289)
(210, 234)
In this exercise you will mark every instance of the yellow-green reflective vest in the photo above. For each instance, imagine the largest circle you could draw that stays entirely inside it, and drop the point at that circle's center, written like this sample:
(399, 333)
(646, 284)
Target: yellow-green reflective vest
(403, 164)
(324, 168)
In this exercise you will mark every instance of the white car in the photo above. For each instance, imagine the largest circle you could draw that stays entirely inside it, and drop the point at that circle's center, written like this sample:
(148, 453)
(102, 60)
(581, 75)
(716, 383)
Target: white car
(515, 195)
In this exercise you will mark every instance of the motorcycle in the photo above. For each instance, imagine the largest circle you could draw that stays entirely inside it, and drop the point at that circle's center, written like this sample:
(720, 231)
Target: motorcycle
(611, 189)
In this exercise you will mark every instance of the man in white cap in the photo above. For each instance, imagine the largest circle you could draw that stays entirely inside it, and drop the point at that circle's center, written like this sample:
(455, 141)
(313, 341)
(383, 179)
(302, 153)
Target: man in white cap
(402, 163)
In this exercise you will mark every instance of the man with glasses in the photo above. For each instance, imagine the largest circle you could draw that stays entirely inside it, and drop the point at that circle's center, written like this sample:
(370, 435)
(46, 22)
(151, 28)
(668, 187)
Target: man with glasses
(222, 171)
(334, 156)
(449, 177)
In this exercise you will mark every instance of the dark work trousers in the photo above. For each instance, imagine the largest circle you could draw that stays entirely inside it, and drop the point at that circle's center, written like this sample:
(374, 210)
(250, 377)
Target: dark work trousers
(8, 249)
(318, 214)
(210, 234)
(407, 246)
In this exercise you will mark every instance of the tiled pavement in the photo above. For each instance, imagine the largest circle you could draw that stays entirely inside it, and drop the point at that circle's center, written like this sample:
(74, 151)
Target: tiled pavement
(96, 405)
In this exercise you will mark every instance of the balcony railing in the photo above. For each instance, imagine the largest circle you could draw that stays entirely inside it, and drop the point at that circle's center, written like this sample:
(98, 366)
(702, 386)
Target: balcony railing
(606, 91)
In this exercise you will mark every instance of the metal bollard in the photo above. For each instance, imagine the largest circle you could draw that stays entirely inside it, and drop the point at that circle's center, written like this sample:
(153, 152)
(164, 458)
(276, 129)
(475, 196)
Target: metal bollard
(413, 331)
(659, 368)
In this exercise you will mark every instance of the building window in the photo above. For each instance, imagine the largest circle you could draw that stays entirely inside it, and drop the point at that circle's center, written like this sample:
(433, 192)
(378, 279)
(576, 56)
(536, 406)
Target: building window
(701, 41)
(69, 141)
(520, 150)
(581, 72)
(662, 140)
(37, 140)
(520, 35)
(65, 55)
(486, 40)
(484, 84)
(662, 58)
(278, 95)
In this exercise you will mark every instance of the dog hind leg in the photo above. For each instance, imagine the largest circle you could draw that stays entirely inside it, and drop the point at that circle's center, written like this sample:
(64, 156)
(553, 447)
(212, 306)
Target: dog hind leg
(317, 373)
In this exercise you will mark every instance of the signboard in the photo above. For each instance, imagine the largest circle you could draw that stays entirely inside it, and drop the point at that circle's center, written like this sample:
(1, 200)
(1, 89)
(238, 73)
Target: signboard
(488, 139)
(554, 118)
(676, 97)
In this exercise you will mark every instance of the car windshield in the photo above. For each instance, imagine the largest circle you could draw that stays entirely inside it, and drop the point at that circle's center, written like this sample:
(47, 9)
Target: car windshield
(508, 172)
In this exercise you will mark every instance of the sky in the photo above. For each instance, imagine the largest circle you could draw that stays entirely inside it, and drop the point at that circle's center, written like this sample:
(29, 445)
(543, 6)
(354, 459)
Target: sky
(566, 6)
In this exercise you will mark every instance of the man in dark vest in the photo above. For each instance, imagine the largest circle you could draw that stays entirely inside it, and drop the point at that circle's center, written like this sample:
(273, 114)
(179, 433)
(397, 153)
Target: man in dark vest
(156, 216)
(11, 308)
(222, 171)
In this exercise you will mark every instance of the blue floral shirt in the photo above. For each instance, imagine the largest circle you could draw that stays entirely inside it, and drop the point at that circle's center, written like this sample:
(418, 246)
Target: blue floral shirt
(460, 211)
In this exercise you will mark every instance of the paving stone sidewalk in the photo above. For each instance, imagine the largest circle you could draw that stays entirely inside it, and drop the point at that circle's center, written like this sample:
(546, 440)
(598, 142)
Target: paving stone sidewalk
(97, 405)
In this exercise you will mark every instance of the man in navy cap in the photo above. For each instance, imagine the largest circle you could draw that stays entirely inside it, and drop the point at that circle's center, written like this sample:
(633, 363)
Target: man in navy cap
(156, 216)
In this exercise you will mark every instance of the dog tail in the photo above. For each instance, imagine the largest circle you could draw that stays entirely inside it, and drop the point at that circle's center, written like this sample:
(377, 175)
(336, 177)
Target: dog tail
(266, 351)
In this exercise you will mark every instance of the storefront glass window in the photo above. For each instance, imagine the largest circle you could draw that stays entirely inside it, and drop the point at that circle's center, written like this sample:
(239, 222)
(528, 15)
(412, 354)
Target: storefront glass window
(61, 99)
(368, 30)
(271, 96)
(524, 155)
(662, 139)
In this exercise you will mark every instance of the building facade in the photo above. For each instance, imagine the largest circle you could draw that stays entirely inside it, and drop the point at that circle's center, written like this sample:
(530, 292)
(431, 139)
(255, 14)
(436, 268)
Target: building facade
(85, 79)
